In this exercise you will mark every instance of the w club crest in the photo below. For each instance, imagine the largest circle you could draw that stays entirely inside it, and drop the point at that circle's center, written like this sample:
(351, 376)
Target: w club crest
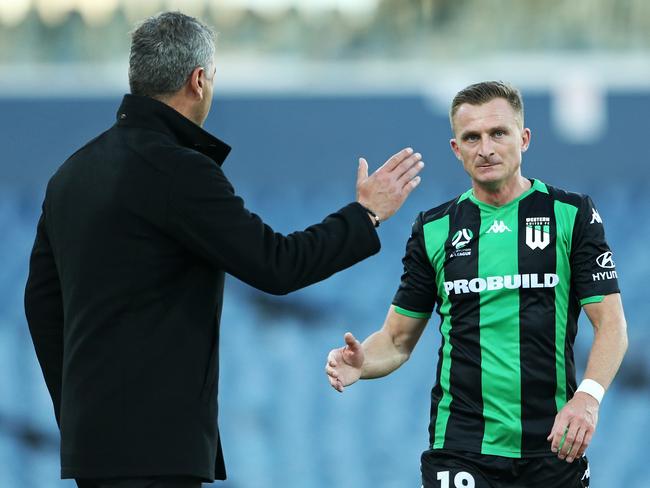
(538, 232)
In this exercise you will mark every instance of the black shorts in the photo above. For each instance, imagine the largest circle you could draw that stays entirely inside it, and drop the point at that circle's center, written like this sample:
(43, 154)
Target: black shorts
(456, 469)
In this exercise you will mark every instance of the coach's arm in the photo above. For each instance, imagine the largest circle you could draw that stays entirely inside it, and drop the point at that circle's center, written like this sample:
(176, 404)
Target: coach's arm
(44, 312)
(580, 414)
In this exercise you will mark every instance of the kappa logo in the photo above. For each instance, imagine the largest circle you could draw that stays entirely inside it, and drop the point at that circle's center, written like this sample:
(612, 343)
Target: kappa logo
(498, 227)
(462, 238)
(595, 217)
(538, 232)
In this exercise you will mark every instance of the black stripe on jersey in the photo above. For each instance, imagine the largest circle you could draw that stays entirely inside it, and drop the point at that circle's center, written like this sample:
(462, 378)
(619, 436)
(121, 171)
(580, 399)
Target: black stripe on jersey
(436, 393)
(571, 332)
(537, 329)
(465, 425)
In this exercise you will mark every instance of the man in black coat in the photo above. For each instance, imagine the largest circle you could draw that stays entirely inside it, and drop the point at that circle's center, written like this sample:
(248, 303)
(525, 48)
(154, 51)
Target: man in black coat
(125, 287)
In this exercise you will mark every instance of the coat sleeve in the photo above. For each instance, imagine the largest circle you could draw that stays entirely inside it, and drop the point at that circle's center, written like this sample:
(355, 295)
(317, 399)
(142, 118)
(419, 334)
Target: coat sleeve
(211, 221)
(44, 312)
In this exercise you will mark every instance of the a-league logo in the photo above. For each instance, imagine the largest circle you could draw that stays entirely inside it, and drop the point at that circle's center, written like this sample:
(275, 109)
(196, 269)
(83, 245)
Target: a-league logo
(462, 238)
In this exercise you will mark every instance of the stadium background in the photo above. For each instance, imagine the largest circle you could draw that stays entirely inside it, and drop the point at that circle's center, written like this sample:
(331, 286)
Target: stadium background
(302, 90)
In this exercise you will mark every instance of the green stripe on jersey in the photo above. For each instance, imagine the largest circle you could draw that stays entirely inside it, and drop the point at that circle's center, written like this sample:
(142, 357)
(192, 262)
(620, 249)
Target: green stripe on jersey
(435, 235)
(594, 299)
(565, 216)
(499, 332)
(411, 313)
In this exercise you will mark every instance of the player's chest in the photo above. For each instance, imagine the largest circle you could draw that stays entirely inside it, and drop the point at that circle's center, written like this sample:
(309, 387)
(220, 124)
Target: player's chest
(507, 248)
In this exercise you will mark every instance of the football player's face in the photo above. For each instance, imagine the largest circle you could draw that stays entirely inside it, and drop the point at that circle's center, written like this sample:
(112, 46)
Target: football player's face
(489, 140)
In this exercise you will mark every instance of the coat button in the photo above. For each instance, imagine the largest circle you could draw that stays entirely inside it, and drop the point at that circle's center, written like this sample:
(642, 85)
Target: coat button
(122, 116)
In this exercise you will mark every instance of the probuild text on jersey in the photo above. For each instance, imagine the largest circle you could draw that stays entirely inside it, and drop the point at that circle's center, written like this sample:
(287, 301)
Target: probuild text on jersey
(491, 283)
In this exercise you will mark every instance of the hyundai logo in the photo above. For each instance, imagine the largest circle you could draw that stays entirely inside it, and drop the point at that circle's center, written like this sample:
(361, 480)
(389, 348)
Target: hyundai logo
(605, 260)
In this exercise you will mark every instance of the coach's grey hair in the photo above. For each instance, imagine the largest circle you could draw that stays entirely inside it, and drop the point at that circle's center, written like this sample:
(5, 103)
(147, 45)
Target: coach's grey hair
(165, 49)
(486, 91)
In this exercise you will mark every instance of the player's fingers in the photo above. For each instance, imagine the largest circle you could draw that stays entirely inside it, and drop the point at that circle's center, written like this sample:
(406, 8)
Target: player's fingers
(331, 357)
(585, 444)
(351, 341)
(334, 383)
(395, 159)
(569, 440)
(577, 445)
(558, 433)
(331, 372)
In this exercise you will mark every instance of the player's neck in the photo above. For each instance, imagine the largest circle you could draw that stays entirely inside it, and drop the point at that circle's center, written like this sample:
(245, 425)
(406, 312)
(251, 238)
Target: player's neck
(501, 194)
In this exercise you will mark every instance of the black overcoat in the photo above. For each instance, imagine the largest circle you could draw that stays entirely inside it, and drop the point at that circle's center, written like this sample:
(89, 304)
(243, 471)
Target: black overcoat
(125, 290)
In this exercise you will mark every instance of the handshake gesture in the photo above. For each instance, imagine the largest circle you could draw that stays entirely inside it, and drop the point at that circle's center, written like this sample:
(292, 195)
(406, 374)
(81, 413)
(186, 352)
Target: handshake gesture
(344, 365)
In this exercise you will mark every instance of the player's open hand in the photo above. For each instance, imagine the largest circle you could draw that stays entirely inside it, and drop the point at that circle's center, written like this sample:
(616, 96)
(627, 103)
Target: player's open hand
(578, 418)
(386, 189)
(344, 364)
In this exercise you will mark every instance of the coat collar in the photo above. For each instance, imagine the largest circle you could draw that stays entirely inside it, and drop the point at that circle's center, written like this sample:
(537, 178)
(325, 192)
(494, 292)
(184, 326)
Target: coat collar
(146, 112)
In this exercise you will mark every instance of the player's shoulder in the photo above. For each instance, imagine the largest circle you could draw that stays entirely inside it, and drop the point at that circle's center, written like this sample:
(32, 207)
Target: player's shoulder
(439, 212)
(565, 196)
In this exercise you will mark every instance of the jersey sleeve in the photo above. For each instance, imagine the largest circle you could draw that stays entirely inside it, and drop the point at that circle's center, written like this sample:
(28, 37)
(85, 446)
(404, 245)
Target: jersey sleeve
(592, 266)
(416, 295)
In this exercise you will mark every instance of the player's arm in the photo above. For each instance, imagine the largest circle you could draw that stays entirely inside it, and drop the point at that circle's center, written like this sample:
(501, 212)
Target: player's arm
(610, 339)
(594, 279)
(379, 355)
(580, 415)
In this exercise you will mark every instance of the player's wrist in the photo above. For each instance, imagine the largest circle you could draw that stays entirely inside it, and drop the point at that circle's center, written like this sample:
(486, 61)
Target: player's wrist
(592, 388)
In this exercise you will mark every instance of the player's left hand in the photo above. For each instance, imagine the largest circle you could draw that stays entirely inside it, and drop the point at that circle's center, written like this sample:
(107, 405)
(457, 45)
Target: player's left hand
(578, 418)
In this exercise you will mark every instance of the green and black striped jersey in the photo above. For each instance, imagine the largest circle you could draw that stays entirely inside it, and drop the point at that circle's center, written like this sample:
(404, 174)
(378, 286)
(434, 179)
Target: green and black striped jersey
(509, 283)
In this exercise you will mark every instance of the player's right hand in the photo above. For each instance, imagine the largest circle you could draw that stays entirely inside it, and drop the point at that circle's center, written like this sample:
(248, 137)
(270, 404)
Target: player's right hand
(386, 189)
(345, 363)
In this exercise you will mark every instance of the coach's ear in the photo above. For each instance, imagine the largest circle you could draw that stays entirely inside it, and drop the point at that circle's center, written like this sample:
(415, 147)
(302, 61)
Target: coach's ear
(455, 149)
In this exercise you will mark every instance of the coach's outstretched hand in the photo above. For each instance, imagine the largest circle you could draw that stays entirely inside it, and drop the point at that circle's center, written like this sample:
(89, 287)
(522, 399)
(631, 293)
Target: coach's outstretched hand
(344, 364)
(386, 189)
(578, 418)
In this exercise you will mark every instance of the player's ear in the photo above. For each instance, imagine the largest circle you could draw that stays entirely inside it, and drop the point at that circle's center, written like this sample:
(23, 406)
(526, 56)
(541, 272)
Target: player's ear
(455, 149)
(525, 139)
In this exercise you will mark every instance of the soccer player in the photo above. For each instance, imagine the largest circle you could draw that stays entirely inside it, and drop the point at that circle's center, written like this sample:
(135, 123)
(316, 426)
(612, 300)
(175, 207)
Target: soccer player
(509, 265)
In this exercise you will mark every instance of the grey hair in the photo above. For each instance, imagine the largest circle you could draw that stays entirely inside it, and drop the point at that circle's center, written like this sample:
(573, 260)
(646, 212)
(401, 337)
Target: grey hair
(165, 49)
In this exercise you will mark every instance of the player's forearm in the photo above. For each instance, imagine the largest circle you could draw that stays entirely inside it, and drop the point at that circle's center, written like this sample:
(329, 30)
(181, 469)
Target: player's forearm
(607, 351)
(382, 355)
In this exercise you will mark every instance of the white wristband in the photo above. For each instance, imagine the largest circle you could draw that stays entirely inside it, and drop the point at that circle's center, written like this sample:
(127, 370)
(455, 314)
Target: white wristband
(592, 388)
